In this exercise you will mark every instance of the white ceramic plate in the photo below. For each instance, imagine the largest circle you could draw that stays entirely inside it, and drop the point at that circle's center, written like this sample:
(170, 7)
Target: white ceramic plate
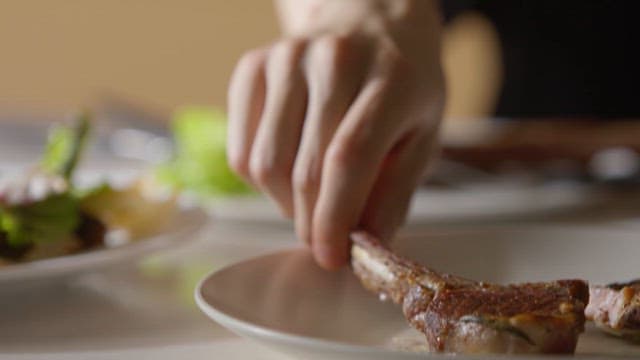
(438, 205)
(181, 229)
(286, 302)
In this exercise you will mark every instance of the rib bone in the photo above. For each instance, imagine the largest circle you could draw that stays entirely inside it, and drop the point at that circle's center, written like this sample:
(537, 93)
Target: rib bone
(465, 316)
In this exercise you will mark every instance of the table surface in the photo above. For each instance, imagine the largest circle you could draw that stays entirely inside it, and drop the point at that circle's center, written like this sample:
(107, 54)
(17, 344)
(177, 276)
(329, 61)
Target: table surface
(142, 310)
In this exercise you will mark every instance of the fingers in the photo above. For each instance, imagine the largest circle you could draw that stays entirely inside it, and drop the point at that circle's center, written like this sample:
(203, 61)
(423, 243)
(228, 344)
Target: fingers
(333, 83)
(351, 165)
(245, 103)
(276, 140)
(333, 138)
(401, 173)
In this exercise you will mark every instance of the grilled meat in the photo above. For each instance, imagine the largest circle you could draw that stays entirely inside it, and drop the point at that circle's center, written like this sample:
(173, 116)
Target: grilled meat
(465, 316)
(615, 309)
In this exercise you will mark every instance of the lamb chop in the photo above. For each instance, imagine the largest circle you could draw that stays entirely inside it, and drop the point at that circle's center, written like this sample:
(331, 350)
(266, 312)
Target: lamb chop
(465, 316)
(615, 309)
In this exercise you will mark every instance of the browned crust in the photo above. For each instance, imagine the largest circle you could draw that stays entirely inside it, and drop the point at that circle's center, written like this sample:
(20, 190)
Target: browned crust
(558, 306)
(457, 314)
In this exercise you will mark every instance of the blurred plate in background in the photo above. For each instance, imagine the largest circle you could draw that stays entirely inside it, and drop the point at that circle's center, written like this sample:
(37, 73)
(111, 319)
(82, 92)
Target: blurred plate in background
(182, 228)
(21, 145)
(483, 201)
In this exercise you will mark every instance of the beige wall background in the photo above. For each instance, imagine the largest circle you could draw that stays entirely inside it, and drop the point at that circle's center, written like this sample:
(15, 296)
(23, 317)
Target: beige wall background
(58, 55)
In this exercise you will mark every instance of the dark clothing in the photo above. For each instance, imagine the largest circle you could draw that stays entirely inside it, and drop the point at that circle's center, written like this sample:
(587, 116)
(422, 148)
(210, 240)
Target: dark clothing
(572, 58)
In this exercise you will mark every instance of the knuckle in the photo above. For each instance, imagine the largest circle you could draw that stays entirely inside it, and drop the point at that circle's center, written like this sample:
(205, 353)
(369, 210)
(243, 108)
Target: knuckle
(286, 51)
(328, 52)
(283, 64)
(393, 64)
(328, 46)
(396, 75)
(248, 67)
(264, 171)
(251, 60)
(344, 152)
(260, 172)
(305, 179)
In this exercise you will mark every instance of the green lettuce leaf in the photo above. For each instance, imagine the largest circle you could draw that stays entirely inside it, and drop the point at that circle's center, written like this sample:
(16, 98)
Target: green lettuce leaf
(200, 161)
(65, 146)
(56, 215)
(50, 219)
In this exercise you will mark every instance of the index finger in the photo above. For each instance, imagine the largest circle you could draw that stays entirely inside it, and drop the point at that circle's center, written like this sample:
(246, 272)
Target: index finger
(351, 165)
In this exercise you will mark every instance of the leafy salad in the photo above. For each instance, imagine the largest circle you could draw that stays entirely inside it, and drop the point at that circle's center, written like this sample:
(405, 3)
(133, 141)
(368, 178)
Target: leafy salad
(45, 214)
(200, 162)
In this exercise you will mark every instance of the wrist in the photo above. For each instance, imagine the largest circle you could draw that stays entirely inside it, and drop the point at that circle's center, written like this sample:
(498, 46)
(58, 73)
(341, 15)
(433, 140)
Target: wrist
(414, 26)
(310, 18)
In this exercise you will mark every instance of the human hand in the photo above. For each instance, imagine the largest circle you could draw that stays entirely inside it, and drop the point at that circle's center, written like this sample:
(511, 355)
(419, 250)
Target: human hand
(338, 127)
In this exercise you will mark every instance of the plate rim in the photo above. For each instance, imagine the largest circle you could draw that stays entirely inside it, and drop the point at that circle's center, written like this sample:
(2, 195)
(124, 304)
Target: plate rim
(192, 220)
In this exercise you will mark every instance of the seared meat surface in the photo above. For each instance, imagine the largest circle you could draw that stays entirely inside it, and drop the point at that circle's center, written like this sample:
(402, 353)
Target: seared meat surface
(465, 316)
(615, 308)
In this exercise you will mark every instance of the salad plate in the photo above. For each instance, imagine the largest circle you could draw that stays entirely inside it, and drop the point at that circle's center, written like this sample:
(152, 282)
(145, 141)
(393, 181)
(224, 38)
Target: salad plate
(287, 303)
(57, 222)
(182, 228)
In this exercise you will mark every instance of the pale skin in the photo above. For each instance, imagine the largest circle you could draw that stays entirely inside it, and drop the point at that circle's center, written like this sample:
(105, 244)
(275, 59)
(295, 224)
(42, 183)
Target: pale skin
(337, 121)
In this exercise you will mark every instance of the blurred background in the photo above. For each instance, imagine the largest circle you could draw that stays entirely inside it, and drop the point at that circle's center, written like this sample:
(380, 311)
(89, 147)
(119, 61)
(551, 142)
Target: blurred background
(514, 59)
(63, 55)
(137, 62)
(58, 56)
